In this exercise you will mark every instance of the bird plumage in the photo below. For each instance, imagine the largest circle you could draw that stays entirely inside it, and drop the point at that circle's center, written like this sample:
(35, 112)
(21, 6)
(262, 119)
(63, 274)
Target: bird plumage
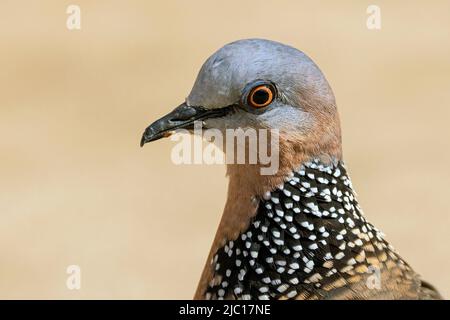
(298, 233)
(310, 240)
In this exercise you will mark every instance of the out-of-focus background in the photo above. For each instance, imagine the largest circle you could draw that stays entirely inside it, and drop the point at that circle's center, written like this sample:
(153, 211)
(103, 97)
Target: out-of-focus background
(75, 188)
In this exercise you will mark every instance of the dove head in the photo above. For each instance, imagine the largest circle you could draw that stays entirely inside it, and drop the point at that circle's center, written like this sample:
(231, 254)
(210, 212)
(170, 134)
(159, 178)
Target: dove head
(262, 84)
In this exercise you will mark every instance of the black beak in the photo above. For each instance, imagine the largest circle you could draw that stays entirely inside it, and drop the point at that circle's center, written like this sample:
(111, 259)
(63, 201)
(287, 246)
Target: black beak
(182, 117)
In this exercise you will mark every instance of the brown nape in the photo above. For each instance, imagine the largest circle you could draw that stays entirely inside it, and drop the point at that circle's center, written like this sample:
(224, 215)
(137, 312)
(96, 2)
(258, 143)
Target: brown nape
(247, 185)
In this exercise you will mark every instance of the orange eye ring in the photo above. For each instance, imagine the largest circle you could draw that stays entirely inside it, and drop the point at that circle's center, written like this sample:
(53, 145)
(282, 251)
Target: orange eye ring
(260, 96)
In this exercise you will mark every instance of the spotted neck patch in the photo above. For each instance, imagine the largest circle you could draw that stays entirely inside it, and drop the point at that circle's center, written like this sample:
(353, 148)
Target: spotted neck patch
(309, 237)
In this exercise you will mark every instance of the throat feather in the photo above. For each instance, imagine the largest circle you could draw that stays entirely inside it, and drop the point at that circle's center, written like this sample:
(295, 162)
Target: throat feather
(309, 236)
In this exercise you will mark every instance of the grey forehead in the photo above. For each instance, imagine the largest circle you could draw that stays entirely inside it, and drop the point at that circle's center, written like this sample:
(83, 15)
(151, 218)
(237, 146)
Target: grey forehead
(225, 74)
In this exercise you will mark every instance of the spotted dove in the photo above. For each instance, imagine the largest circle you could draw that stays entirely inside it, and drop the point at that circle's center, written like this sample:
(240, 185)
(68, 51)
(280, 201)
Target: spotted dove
(298, 233)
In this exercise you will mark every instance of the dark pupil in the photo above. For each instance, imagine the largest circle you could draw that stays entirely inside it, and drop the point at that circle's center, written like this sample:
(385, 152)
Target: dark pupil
(260, 96)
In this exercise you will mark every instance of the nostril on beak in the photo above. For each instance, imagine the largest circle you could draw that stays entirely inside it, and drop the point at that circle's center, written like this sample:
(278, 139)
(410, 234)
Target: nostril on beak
(181, 117)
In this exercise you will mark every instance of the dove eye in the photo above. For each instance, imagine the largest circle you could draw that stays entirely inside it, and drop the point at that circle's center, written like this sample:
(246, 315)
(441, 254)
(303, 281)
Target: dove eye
(261, 96)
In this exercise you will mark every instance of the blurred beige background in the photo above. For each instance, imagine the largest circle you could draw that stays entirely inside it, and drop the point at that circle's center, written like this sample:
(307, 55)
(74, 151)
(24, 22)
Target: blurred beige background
(75, 188)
